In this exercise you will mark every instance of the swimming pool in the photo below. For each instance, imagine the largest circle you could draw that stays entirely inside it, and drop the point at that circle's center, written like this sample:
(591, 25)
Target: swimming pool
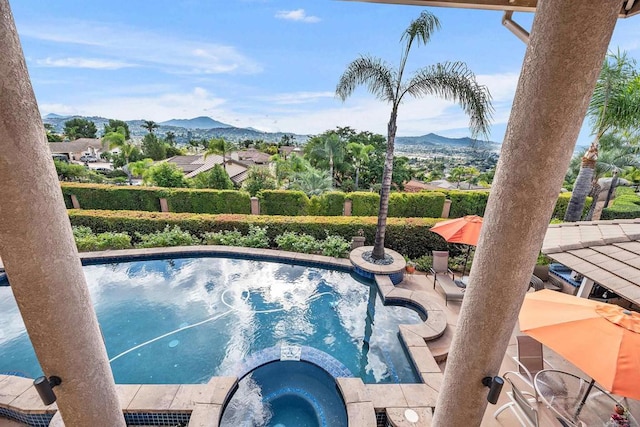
(185, 320)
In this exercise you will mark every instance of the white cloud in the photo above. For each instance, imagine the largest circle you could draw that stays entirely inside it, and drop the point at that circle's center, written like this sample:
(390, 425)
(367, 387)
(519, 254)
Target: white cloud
(298, 97)
(198, 102)
(302, 112)
(94, 63)
(297, 15)
(146, 48)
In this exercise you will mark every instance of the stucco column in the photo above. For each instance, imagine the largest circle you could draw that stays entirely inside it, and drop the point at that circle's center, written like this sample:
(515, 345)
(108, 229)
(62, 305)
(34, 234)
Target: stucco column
(39, 252)
(562, 62)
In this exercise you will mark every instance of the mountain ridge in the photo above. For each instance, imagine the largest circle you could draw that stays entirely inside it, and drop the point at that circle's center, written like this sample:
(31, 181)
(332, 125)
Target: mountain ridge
(207, 127)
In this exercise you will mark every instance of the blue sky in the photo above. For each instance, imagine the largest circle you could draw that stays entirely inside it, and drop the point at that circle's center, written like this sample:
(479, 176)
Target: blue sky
(268, 64)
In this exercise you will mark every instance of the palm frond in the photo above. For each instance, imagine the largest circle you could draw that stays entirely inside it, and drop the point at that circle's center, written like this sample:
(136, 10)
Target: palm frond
(608, 107)
(454, 81)
(421, 29)
(373, 72)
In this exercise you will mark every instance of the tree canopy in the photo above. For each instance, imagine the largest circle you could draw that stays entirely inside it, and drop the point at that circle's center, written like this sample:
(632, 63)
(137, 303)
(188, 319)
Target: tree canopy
(79, 128)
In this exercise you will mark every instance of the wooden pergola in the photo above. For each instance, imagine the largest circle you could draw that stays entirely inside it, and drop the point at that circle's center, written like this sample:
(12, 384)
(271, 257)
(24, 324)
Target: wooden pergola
(628, 7)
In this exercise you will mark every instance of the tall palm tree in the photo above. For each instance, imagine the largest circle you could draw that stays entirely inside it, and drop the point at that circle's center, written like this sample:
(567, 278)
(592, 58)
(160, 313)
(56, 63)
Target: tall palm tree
(331, 149)
(219, 146)
(449, 80)
(149, 125)
(117, 139)
(360, 155)
(615, 105)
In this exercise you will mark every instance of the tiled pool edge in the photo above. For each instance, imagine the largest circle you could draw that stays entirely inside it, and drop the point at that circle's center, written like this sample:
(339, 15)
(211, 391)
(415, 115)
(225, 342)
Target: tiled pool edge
(361, 400)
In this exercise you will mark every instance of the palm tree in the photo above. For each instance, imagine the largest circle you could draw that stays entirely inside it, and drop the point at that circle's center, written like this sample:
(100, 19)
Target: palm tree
(615, 105)
(360, 154)
(219, 146)
(449, 80)
(149, 125)
(312, 182)
(170, 137)
(330, 149)
(117, 139)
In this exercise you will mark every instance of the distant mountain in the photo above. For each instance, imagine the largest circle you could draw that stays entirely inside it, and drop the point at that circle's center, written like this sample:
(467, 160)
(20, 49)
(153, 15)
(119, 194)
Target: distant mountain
(433, 139)
(200, 127)
(207, 128)
(201, 122)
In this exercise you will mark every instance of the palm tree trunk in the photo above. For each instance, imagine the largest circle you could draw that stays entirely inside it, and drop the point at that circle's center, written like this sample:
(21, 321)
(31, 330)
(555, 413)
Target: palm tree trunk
(357, 177)
(331, 167)
(378, 247)
(581, 189)
(595, 195)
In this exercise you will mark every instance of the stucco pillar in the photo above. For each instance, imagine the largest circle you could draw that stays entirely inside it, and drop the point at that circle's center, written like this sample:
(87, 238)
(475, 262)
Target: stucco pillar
(562, 62)
(346, 209)
(255, 206)
(446, 208)
(39, 252)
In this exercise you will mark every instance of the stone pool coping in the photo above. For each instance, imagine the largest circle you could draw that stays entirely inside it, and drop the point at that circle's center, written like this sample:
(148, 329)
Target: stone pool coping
(204, 402)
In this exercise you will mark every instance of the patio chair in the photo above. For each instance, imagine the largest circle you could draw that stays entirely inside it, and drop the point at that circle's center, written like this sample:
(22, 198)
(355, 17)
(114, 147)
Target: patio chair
(523, 405)
(440, 265)
(529, 359)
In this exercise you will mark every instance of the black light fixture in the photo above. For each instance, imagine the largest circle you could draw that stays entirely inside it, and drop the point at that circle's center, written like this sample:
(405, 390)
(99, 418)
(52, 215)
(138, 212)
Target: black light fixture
(44, 386)
(495, 387)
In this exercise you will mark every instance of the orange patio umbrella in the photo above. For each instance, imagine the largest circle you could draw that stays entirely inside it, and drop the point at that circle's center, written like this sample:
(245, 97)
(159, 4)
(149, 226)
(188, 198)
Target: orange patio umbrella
(603, 340)
(460, 230)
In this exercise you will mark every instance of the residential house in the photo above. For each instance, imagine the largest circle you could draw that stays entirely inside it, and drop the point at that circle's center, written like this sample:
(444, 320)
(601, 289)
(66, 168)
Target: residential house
(78, 148)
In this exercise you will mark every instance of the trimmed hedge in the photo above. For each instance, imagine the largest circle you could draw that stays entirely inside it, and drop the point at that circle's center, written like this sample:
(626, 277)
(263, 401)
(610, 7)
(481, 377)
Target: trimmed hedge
(283, 202)
(328, 204)
(416, 205)
(426, 204)
(97, 196)
(467, 202)
(364, 203)
(562, 204)
(409, 236)
(625, 206)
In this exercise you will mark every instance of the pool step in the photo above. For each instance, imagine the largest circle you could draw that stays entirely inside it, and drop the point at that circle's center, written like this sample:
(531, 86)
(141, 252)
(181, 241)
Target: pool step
(440, 346)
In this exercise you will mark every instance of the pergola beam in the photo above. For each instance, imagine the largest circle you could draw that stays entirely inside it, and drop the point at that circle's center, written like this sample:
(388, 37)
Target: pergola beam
(629, 7)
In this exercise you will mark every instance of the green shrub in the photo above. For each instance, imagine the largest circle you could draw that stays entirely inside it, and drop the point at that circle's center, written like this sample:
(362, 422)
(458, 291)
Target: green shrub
(623, 206)
(335, 246)
(167, 237)
(424, 263)
(624, 190)
(281, 202)
(256, 238)
(456, 262)
(86, 240)
(294, 242)
(410, 236)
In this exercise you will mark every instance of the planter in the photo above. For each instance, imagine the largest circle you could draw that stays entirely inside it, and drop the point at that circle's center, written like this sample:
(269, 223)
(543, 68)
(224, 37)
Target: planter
(410, 269)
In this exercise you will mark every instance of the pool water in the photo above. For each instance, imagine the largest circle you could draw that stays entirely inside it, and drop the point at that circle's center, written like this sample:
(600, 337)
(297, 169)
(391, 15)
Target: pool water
(286, 394)
(185, 320)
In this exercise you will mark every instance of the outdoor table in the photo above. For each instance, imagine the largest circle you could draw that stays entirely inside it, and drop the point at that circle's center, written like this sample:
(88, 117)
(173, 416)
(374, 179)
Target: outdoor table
(563, 393)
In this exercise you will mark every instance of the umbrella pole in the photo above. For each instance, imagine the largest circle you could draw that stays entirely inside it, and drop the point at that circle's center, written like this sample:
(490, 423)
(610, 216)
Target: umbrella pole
(466, 258)
(584, 399)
